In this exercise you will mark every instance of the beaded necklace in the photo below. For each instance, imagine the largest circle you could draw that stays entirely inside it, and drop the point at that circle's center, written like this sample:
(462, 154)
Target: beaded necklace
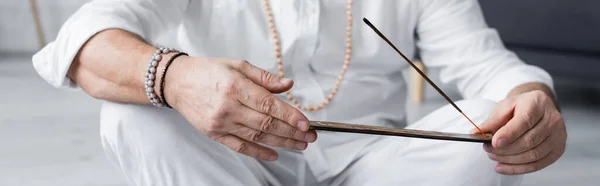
(288, 94)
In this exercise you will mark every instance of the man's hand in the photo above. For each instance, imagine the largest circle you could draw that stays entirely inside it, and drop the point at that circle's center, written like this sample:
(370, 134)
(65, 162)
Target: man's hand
(530, 133)
(229, 100)
(232, 102)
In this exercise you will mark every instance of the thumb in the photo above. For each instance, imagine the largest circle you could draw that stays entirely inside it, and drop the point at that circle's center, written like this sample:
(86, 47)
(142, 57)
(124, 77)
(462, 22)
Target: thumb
(273, 83)
(499, 117)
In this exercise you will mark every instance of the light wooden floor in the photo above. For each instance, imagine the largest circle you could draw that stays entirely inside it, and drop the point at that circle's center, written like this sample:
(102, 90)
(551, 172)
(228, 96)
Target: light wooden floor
(50, 137)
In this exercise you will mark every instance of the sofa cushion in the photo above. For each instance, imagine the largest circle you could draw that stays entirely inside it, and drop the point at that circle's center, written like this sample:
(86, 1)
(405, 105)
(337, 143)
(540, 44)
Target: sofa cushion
(555, 24)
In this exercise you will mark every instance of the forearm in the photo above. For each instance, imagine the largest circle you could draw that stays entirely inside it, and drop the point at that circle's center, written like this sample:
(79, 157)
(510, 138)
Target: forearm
(112, 65)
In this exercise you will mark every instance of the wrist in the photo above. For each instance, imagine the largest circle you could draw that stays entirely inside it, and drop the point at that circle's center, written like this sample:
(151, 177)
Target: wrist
(153, 76)
(156, 75)
(173, 77)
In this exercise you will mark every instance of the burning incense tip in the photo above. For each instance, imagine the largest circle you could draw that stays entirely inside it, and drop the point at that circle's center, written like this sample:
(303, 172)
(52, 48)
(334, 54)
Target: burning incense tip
(473, 123)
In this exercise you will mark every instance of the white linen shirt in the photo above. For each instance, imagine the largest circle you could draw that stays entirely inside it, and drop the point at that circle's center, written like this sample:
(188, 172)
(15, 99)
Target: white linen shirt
(447, 34)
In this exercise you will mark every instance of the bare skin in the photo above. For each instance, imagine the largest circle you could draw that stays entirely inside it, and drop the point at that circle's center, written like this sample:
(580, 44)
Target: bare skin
(229, 100)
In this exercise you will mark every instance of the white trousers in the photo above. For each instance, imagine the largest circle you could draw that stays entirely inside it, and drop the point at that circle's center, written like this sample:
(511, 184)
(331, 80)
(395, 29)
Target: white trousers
(158, 147)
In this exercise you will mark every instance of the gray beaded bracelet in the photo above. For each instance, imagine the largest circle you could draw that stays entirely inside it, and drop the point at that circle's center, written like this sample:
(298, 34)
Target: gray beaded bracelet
(151, 75)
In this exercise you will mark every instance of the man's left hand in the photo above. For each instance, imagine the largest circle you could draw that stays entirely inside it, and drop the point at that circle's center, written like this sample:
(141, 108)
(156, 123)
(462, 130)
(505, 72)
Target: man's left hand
(529, 133)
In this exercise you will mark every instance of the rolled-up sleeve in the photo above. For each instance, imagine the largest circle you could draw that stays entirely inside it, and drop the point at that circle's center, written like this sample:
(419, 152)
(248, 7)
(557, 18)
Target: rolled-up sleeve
(146, 18)
(453, 36)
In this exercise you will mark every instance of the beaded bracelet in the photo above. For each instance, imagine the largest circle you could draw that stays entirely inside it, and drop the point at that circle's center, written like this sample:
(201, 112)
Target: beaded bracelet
(164, 74)
(151, 75)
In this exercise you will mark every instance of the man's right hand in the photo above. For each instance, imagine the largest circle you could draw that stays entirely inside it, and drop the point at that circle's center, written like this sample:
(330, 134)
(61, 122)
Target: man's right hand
(232, 102)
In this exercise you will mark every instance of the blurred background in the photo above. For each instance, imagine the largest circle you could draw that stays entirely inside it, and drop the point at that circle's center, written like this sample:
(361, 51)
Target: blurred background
(51, 137)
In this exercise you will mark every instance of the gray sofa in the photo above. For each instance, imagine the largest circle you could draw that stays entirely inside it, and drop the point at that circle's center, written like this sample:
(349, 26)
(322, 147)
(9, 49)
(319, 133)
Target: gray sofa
(563, 37)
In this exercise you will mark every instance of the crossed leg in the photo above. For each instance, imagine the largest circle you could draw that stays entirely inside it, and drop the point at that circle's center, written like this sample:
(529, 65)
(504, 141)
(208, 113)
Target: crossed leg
(412, 161)
(159, 147)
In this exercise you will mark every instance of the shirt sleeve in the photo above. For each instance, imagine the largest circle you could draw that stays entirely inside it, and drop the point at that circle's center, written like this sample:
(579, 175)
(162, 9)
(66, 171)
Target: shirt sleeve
(146, 18)
(453, 36)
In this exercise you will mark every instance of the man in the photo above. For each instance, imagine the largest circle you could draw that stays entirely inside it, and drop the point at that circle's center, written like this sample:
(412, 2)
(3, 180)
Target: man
(231, 126)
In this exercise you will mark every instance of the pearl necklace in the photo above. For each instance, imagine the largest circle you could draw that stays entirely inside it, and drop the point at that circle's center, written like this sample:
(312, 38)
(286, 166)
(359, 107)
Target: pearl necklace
(280, 63)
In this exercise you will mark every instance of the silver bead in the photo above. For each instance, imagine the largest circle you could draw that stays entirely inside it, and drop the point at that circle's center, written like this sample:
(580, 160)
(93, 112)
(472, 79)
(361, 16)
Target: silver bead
(152, 95)
(151, 77)
(150, 83)
(152, 69)
(165, 50)
(149, 90)
(172, 50)
(154, 63)
(157, 57)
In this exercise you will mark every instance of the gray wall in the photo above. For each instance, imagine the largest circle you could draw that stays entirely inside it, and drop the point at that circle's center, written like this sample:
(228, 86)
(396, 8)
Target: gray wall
(17, 29)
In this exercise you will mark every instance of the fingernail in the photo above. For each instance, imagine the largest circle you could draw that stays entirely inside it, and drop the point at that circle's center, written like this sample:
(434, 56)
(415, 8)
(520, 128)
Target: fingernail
(487, 147)
(302, 125)
(272, 158)
(301, 145)
(310, 137)
(285, 81)
(502, 142)
(492, 156)
(499, 168)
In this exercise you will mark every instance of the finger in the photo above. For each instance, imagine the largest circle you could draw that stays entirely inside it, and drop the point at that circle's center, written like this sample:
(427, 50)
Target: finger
(527, 141)
(526, 115)
(258, 136)
(529, 156)
(510, 169)
(272, 125)
(264, 102)
(248, 148)
(263, 78)
(499, 117)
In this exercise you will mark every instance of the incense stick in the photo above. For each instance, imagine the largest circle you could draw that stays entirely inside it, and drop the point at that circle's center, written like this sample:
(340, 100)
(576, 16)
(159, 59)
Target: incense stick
(421, 73)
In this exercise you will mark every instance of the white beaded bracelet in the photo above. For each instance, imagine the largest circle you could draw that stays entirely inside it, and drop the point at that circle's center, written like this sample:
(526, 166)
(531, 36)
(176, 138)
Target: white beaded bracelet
(151, 75)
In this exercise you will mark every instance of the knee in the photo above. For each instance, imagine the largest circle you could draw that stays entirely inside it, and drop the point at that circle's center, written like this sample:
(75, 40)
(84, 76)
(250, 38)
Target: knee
(470, 159)
(447, 118)
(138, 128)
(471, 162)
(477, 110)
